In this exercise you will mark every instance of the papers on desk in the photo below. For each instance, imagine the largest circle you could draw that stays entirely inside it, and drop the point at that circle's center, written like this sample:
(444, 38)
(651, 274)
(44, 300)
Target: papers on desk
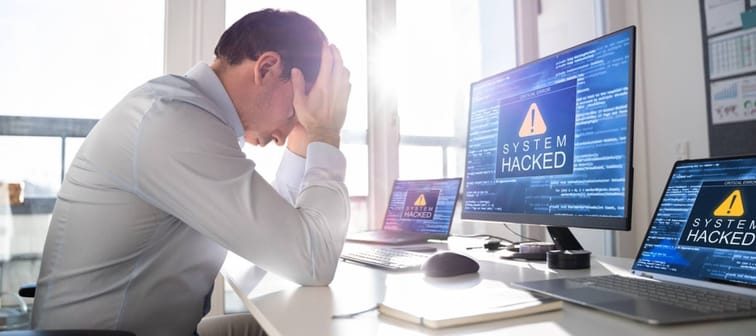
(445, 304)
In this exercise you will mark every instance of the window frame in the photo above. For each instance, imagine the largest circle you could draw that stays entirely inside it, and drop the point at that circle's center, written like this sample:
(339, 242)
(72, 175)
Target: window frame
(62, 128)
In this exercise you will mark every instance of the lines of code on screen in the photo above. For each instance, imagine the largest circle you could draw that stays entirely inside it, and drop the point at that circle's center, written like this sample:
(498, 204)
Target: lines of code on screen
(551, 137)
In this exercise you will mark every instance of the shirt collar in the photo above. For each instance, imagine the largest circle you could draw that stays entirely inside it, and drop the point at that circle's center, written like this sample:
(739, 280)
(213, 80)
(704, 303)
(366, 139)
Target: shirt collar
(209, 83)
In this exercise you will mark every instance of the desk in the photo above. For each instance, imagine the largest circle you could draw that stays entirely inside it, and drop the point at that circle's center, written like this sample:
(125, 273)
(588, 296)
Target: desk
(284, 308)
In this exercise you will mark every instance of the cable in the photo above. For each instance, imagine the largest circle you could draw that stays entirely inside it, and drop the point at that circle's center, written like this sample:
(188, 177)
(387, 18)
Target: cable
(485, 235)
(506, 225)
(519, 235)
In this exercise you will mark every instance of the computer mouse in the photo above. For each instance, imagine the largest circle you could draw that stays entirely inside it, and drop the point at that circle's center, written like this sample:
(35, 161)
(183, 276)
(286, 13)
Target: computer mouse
(447, 264)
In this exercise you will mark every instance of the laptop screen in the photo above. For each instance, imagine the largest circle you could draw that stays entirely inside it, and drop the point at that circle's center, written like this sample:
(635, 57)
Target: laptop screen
(425, 206)
(705, 225)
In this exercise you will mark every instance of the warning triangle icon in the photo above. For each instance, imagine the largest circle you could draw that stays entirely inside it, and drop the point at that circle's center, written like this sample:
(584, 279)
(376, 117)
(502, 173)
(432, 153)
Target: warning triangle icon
(533, 123)
(732, 206)
(420, 201)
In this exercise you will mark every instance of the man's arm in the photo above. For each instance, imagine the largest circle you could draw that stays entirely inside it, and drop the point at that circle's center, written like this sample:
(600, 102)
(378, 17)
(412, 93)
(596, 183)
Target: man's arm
(208, 184)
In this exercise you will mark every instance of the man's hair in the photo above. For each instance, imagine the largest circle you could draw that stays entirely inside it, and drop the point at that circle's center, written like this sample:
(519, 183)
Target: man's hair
(293, 36)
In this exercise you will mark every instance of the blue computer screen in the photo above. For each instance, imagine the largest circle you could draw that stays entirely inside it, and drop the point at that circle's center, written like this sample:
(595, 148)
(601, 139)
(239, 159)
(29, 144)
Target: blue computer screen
(422, 205)
(552, 138)
(705, 225)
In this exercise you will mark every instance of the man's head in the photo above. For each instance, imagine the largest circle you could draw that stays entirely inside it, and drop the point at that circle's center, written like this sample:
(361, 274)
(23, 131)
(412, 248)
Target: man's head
(254, 58)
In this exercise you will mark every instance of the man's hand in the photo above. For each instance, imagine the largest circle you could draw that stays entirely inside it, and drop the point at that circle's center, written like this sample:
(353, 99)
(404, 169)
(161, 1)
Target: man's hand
(321, 112)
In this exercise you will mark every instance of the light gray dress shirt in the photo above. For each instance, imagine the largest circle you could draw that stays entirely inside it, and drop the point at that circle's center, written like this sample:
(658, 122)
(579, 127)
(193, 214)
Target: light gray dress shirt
(159, 192)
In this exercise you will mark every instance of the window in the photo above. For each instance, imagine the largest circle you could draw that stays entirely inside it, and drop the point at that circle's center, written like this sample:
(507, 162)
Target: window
(85, 57)
(78, 64)
(65, 64)
(445, 46)
(40, 172)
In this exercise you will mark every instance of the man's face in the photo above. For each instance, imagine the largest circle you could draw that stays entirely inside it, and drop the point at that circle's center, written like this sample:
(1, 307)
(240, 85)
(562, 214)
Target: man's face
(274, 114)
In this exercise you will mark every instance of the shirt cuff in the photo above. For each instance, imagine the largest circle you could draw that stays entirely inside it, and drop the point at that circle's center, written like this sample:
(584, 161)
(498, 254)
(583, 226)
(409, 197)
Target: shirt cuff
(291, 169)
(325, 161)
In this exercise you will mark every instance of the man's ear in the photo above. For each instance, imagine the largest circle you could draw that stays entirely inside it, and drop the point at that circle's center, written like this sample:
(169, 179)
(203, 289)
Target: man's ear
(269, 63)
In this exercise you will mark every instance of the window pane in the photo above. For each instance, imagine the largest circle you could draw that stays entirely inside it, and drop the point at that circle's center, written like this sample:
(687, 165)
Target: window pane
(440, 45)
(357, 182)
(455, 161)
(446, 45)
(35, 161)
(420, 162)
(357, 167)
(76, 58)
(343, 22)
(266, 159)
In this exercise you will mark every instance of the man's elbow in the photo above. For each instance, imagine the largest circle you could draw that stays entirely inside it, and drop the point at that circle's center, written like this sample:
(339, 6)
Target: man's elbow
(318, 279)
(317, 282)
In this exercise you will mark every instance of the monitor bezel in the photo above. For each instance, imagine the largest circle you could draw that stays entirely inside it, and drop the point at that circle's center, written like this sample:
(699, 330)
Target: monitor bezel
(593, 222)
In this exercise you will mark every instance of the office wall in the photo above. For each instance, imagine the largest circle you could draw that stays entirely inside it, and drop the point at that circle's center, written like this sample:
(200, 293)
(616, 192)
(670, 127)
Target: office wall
(671, 103)
(562, 24)
(670, 121)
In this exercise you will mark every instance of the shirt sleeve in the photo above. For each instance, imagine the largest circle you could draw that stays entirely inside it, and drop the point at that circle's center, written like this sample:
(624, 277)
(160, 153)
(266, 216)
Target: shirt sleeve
(207, 183)
(288, 180)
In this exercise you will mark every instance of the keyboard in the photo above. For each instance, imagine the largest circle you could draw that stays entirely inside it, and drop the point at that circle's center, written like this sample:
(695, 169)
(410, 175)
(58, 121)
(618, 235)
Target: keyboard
(698, 299)
(384, 257)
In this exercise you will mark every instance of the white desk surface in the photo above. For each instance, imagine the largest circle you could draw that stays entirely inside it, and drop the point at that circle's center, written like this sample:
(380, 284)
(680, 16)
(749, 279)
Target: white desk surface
(284, 308)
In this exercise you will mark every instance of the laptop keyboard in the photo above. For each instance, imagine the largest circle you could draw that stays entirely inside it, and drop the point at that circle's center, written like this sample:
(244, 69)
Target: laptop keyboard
(383, 257)
(698, 299)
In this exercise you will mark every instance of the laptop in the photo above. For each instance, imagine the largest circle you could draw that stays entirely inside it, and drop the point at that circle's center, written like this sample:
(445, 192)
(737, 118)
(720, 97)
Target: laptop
(418, 210)
(699, 251)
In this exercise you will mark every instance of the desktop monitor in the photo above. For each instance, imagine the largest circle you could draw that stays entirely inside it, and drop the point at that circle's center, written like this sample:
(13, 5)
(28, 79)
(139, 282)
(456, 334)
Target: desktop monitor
(550, 142)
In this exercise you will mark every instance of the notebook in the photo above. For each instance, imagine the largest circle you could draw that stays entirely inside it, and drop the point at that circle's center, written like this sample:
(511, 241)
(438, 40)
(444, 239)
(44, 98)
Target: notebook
(700, 251)
(441, 305)
(418, 210)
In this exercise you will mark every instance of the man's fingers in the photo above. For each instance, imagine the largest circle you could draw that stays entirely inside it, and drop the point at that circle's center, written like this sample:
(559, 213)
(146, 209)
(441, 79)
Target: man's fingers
(339, 73)
(298, 82)
(337, 61)
(344, 96)
(326, 66)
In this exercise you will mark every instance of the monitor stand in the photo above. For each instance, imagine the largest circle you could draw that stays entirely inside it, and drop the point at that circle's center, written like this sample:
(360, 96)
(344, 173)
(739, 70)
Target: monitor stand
(563, 238)
(569, 253)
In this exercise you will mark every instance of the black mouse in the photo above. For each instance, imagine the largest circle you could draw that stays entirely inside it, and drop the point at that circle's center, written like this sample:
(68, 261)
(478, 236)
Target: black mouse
(447, 264)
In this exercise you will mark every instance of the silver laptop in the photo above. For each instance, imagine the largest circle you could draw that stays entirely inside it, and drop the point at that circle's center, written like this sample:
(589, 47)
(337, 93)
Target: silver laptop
(418, 210)
(698, 260)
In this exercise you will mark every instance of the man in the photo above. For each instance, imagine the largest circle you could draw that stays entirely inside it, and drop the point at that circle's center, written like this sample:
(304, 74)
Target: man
(160, 190)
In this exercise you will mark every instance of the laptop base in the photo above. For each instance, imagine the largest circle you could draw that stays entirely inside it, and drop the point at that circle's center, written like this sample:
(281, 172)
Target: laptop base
(581, 292)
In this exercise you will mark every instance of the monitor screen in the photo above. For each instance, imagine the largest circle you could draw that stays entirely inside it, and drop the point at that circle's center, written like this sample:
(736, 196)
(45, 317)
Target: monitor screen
(705, 225)
(550, 142)
(425, 206)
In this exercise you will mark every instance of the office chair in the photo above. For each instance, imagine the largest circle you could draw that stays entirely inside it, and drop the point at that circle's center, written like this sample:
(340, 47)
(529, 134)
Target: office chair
(28, 291)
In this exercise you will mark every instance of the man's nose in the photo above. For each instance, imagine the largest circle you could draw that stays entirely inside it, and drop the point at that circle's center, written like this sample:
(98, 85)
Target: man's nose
(280, 141)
